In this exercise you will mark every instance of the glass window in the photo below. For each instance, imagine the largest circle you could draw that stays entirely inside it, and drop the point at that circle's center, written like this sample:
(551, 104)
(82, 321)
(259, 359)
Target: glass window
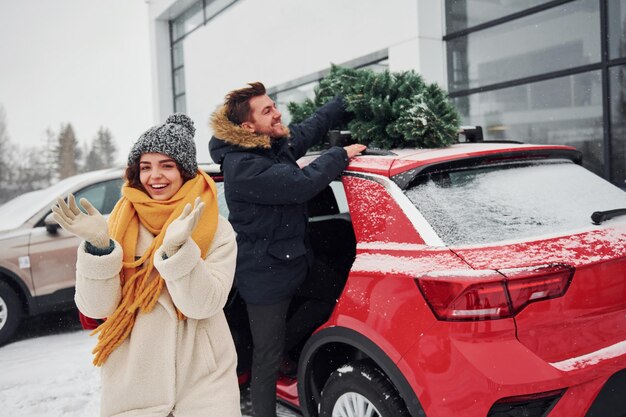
(180, 104)
(617, 88)
(617, 28)
(102, 196)
(539, 43)
(222, 207)
(179, 81)
(177, 55)
(296, 94)
(213, 7)
(512, 201)
(378, 66)
(461, 14)
(303, 91)
(188, 21)
(565, 111)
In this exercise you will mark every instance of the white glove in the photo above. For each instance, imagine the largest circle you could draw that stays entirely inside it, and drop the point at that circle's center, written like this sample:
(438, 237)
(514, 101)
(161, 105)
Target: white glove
(181, 228)
(91, 227)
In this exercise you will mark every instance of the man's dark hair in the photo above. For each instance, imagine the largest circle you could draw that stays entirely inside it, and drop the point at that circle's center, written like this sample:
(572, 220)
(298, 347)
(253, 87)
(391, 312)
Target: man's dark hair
(238, 102)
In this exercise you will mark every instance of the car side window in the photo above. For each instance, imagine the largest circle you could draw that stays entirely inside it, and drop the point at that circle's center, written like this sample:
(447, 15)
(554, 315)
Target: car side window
(103, 195)
(221, 200)
(329, 202)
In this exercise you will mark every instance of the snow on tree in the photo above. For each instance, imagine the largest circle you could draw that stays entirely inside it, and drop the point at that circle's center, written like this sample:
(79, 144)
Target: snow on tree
(390, 109)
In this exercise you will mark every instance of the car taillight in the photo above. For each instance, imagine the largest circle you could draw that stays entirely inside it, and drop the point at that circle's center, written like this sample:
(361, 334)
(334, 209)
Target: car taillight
(490, 295)
(533, 284)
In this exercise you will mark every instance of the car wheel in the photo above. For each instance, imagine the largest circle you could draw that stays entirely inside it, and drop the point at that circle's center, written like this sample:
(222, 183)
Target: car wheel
(359, 389)
(10, 312)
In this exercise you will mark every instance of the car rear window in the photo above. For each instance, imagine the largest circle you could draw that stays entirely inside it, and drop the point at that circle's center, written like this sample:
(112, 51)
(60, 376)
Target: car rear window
(511, 201)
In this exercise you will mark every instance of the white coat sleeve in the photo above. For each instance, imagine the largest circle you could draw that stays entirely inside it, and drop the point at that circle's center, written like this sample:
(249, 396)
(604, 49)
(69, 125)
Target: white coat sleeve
(199, 287)
(98, 289)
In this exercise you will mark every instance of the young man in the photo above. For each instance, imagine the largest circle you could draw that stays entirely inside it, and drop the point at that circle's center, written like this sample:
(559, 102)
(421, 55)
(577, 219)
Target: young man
(267, 196)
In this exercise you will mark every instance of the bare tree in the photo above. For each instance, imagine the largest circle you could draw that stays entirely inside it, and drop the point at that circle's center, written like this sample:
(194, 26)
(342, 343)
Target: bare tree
(7, 183)
(50, 160)
(4, 146)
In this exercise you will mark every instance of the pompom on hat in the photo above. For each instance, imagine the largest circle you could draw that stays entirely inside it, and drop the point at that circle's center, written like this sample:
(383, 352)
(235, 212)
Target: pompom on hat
(173, 138)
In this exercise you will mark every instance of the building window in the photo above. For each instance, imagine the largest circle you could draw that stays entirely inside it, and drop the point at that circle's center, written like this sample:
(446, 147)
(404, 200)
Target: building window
(617, 29)
(564, 111)
(543, 72)
(196, 15)
(188, 21)
(617, 89)
(540, 43)
(462, 14)
(302, 88)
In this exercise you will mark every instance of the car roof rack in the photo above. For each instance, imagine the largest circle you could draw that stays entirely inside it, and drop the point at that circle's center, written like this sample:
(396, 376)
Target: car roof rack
(470, 134)
(378, 152)
(474, 134)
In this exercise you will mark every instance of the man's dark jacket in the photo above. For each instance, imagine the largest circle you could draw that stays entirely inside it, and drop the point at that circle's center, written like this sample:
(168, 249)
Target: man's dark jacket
(267, 195)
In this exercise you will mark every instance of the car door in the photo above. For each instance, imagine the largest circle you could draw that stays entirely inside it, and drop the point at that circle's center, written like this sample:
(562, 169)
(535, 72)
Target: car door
(53, 255)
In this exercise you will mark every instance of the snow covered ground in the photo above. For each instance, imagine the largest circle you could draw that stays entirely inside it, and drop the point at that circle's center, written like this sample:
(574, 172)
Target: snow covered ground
(47, 372)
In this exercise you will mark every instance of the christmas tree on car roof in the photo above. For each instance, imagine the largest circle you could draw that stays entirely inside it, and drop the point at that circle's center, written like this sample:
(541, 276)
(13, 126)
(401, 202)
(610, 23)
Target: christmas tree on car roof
(391, 109)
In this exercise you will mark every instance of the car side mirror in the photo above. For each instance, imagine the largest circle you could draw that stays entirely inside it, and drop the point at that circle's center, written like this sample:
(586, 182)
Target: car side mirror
(51, 225)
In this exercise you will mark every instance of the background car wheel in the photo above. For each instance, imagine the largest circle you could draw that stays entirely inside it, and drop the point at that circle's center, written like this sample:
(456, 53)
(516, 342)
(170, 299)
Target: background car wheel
(10, 312)
(359, 389)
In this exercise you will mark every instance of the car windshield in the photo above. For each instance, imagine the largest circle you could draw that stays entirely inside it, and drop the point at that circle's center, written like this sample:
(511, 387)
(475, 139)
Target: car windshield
(15, 212)
(512, 201)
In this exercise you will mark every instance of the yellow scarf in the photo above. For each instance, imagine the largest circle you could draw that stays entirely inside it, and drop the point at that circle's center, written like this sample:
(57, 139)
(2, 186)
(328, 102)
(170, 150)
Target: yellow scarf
(140, 292)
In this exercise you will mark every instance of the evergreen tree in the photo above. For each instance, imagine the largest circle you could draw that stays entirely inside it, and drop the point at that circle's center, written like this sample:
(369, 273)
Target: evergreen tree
(93, 161)
(102, 152)
(391, 110)
(68, 153)
(106, 147)
(87, 164)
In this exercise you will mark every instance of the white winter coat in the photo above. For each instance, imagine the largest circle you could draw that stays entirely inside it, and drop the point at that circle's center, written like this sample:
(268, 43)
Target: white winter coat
(186, 367)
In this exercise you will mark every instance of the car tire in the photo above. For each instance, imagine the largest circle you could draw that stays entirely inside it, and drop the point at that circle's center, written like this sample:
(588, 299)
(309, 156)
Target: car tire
(10, 312)
(360, 389)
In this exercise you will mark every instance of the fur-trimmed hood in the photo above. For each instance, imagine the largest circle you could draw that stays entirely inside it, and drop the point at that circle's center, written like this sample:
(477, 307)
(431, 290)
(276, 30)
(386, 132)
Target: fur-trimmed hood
(233, 134)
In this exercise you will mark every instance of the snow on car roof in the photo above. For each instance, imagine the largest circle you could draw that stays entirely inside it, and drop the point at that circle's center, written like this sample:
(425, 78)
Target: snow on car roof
(15, 212)
(404, 159)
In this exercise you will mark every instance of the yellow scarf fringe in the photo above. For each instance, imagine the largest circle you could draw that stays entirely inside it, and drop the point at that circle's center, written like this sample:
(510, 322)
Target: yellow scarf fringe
(141, 287)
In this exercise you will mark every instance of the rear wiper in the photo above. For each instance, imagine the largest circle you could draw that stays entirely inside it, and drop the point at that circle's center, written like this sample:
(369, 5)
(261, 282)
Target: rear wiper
(598, 217)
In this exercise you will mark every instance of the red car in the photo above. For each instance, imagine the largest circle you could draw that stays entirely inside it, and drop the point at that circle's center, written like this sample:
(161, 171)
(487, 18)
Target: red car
(471, 281)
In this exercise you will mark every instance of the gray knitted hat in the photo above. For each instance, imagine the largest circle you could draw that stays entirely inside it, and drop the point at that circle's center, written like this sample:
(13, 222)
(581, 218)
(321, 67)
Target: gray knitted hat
(173, 138)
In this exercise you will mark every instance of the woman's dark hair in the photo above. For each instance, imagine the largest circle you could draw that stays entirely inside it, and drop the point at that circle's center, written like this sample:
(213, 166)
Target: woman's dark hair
(132, 175)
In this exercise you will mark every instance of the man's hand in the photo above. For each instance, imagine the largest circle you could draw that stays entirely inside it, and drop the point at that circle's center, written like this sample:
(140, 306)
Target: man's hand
(91, 227)
(181, 228)
(354, 149)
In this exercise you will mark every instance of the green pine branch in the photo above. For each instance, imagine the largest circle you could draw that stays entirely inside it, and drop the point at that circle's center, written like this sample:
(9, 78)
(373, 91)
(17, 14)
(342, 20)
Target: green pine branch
(391, 110)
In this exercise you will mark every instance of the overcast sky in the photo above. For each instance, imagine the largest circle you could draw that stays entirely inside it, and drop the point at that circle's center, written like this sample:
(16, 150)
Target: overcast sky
(84, 62)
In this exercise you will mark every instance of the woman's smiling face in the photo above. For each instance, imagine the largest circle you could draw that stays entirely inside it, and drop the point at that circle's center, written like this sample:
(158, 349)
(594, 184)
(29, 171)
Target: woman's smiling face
(159, 175)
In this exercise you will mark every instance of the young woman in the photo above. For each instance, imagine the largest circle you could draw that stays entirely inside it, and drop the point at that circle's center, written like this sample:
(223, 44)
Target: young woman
(160, 273)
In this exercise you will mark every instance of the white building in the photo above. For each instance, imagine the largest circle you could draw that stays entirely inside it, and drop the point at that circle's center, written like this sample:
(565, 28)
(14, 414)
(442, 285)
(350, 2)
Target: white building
(545, 71)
